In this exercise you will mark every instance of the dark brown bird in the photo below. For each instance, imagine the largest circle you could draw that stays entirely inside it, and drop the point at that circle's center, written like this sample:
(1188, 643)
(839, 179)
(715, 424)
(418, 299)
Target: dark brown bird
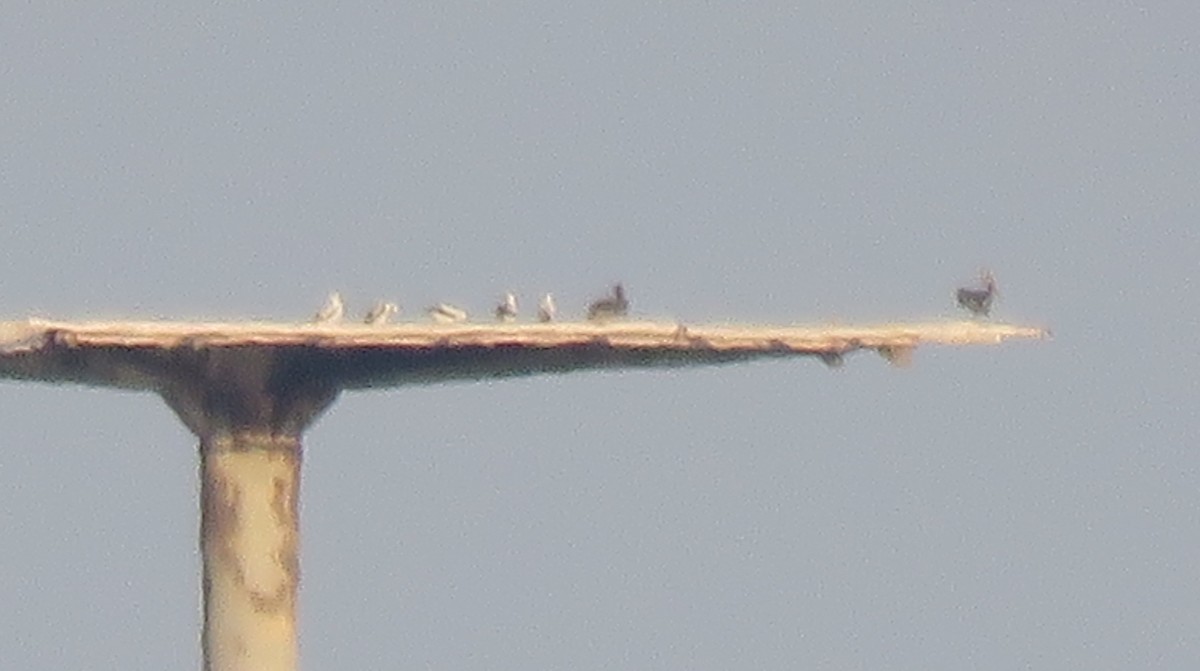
(610, 307)
(979, 301)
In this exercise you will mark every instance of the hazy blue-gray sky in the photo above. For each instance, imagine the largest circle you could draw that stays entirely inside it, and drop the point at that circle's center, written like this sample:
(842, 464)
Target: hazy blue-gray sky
(1030, 506)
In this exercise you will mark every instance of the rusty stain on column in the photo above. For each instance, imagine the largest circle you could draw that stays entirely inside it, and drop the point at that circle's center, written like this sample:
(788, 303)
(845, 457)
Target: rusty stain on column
(249, 538)
(249, 408)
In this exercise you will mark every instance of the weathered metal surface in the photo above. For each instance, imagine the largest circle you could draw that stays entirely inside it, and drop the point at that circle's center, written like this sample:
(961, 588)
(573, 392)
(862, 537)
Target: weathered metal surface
(348, 356)
(249, 540)
(249, 420)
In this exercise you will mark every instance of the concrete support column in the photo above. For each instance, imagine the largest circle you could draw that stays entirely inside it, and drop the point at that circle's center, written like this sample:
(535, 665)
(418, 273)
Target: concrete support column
(249, 407)
(249, 541)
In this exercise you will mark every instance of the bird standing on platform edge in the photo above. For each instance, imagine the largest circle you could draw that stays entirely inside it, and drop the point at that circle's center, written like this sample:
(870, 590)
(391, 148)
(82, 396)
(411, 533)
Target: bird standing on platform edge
(979, 301)
(332, 311)
(611, 307)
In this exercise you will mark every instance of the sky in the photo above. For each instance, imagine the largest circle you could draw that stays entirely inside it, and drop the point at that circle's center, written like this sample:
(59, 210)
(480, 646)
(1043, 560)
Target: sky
(1033, 505)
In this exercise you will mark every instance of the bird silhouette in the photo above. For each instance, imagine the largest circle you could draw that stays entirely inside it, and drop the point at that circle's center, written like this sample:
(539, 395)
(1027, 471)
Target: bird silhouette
(332, 311)
(546, 309)
(506, 311)
(381, 313)
(979, 301)
(609, 307)
(444, 313)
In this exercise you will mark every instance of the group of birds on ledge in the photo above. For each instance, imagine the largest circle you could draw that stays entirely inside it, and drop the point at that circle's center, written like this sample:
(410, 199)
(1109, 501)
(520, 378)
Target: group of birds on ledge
(610, 307)
(976, 300)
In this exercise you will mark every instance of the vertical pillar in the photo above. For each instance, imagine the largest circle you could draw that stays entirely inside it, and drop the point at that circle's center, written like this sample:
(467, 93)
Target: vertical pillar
(249, 407)
(249, 543)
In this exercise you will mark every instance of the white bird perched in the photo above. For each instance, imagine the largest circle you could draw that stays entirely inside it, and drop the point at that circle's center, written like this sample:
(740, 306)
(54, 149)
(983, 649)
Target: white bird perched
(506, 311)
(546, 309)
(382, 312)
(332, 311)
(444, 313)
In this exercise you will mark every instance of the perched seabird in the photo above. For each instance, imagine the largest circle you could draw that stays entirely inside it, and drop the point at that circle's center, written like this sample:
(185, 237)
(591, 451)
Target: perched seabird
(979, 301)
(444, 313)
(381, 313)
(332, 311)
(506, 311)
(546, 309)
(610, 307)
